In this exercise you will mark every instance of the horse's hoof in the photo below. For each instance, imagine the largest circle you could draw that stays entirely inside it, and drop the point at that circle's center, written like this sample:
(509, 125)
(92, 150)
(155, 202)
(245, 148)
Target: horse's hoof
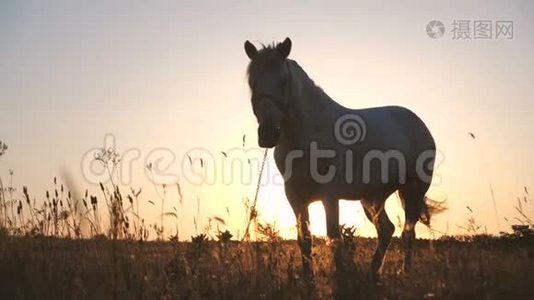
(308, 280)
(307, 275)
(403, 273)
(376, 277)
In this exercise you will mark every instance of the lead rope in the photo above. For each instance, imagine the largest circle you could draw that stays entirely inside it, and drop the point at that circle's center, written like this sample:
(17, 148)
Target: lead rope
(253, 212)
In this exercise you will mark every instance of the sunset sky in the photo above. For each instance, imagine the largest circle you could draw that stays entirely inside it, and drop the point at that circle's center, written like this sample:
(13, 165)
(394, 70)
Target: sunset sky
(171, 75)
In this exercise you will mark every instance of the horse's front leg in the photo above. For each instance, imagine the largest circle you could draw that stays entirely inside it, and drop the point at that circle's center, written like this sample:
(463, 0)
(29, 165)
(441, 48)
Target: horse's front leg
(331, 208)
(304, 236)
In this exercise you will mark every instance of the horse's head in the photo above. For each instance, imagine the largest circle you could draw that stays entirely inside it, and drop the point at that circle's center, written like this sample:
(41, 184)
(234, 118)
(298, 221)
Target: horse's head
(268, 78)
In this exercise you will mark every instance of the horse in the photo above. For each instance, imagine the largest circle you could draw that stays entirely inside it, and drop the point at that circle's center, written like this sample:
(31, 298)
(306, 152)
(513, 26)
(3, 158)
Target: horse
(327, 152)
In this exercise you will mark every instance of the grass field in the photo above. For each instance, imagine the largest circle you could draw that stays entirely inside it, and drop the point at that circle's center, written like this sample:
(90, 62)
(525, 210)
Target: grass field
(40, 267)
(83, 246)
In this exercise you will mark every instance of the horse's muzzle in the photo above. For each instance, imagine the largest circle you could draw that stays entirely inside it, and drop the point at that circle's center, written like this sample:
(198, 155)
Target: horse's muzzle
(268, 136)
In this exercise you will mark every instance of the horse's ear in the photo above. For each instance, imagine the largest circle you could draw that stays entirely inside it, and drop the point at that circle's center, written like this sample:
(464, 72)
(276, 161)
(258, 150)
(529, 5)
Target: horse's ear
(284, 48)
(250, 50)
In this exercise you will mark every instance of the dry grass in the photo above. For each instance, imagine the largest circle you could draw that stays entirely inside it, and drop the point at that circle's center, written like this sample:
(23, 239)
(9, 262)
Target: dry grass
(37, 267)
(96, 246)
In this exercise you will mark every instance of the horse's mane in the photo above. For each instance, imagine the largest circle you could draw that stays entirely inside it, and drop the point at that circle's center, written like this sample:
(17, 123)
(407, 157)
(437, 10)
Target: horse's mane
(303, 75)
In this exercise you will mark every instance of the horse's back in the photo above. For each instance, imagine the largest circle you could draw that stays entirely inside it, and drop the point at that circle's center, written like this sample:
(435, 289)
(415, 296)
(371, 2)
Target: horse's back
(396, 127)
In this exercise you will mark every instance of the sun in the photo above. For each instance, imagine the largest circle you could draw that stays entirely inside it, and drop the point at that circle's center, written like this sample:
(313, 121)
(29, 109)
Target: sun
(275, 209)
(350, 214)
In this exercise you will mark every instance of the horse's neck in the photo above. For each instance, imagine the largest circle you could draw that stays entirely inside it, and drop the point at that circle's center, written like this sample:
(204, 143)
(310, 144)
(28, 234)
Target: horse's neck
(308, 106)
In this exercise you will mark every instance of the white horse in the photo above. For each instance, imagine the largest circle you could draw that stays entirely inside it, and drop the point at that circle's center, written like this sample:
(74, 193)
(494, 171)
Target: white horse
(328, 152)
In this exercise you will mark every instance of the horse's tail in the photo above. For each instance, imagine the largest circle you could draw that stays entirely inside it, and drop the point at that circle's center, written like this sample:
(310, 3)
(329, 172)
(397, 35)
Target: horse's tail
(429, 208)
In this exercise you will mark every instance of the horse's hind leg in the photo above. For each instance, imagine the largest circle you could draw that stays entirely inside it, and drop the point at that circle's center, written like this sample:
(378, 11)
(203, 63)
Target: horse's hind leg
(412, 197)
(375, 212)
